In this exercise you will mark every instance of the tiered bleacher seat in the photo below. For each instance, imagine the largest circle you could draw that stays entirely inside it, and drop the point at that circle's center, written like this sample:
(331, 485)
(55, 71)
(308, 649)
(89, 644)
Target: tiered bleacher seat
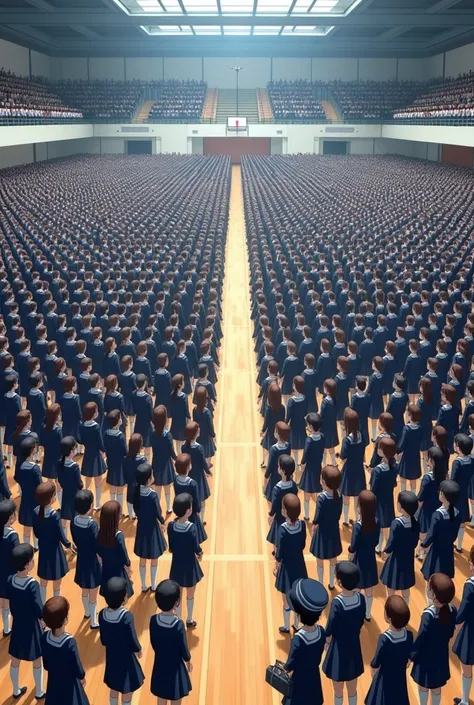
(22, 97)
(117, 100)
(295, 100)
(373, 100)
(445, 99)
(178, 100)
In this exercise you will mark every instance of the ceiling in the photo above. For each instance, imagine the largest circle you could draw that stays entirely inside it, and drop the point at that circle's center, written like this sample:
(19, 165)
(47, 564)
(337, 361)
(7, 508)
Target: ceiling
(359, 28)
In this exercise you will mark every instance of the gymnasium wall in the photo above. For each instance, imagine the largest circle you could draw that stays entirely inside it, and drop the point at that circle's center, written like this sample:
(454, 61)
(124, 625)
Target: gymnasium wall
(237, 147)
(459, 156)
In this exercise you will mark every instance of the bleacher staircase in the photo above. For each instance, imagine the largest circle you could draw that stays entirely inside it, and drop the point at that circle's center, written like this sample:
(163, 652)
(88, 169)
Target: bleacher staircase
(227, 105)
(143, 112)
(331, 113)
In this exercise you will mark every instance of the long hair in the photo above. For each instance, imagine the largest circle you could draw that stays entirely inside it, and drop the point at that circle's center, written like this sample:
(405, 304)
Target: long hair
(426, 390)
(386, 422)
(44, 494)
(7, 509)
(409, 503)
(23, 418)
(351, 423)
(109, 523)
(436, 456)
(110, 384)
(330, 387)
(51, 416)
(160, 418)
(367, 507)
(332, 477)
(201, 399)
(190, 432)
(176, 383)
(135, 445)
(142, 475)
(443, 589)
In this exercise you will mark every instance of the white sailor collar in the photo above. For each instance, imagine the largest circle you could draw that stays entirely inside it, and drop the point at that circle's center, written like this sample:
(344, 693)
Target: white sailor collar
(167, 620)
(114, 616)
(82, 522)
(182, 527)
(396, 636)
(309, 637)
(145, 491)
(57, 641)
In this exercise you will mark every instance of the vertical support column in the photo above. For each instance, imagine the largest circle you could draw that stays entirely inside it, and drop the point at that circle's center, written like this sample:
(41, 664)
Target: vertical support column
(444, 64)
(34, 153)
(88, 70)
(357, 70)
(202, 68)
(124, 68)
(30, 72)
(271, 68)
(396, 75)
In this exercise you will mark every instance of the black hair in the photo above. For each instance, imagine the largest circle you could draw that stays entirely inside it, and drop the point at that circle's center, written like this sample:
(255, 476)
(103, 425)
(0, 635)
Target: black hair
(361, 383)
(436, 455)
(287, 465)
(66, 446)
(409, 502)
(9, 382)
(141, 380)
(7, 508)
(400, 382)
(182, 502)
(21, 555)
(307, 617)
(115, 592)
(142, 475)
(203, 370)
(348, 574)
(27, 446)
(314, 420)
(167, 594)
(83, 501)
(451, 492)
(464, 443)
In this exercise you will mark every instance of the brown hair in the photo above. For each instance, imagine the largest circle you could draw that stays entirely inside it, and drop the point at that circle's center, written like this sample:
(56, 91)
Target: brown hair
(135, 445)
(443, 588)
(332, 477)
(69, 384)
(55, 612)
(449, 393)
(111, 384)
(176, 383)
(59, 366)
(426, 390)
(292, 506)
(89, 411)
(386, 421)
(367, 507)
(298, 384)
(109, 522)
(182, 463)
(160, 418)
(351, 422)
(388, 447)
(44, 493)
(283, 430)
(51, 416)
(23, 418)
(415, 413)
(397, 611)
(330, 387)
(274, 396)
(191, 431)
(201, 399)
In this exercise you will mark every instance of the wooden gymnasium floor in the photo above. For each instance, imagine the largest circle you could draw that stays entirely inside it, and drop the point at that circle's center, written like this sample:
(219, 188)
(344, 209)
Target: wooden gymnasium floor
(238, 610)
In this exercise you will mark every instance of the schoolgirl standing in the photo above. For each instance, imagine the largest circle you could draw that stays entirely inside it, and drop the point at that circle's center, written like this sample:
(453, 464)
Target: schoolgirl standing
(23, 594)
(66, 675)
(389, 367)
(8, 541)
(180, 366)
(69, 478)
(329, 420)
(430, 652)
(202, 381)
(185, 484)
(50, 438)
(178, 410)
(199, 468)
(172, 663)
(11, 407)
(134, 459)
(142, 363)
(149, 541)
(360, 403)
(286, 469)
(115, 446)
(462, 472)
(274, 413)
(93, 464)
(281, 447)
(389, 665)
(295, 417)
(413, 369)
(375, 392)
(128, 384)
(28, 477)
(428, 496)
(464, 644)
(52, 564)
(111, 548)
(309, 376)
(163, 454)
(425, 403)
(88, 575)
(397, 405)
(290, 564)
(113, 400)
(441, 440)
(162, 382)
(365, 537)
(352, 452)
(123, 674)
(311, 462)
(187, 553)
(342, 386)
(70, 408)
(343, 663)
(409, 467)
(203, 417)
(398, 573)
(448, 416)
(272, 378)
(326, 541)
(22, 431)
(142, 404)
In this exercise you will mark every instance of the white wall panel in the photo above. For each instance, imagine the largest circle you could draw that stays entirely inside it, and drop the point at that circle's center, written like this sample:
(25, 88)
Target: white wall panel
(289, 69)
(107, 68)
(334, 69)
(145, 69)
(10, 136)
(14, 156)
(433, 152)
(363, 146)
(183, 68)
(460, 60)
(434, 66)
(40, 64)
(72, 68)
(218, 72)
(41, 151)
(411, 69)
(377, 69)
(14, 58)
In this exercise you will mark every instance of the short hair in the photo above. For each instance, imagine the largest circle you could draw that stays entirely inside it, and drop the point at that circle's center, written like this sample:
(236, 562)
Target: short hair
(83, 501)
(167, 594)
(182, 503)
(21, 555)
(115, 592)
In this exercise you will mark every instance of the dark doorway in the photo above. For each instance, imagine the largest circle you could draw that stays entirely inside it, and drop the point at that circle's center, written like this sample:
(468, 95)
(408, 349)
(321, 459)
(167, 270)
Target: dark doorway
(335, 147)
(139, 147)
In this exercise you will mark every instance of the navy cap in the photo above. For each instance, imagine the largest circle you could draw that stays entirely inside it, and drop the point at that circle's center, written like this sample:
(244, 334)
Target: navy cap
(309, 594)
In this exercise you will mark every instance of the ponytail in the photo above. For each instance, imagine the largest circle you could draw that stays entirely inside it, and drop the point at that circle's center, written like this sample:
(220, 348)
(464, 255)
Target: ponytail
(7, 508)
(136, 498)
(444, 613)
(451, 512)
(142, 476)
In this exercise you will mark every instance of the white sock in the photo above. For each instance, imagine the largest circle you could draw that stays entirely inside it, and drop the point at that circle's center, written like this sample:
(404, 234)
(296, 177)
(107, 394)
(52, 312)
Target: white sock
(203, 511)
(38, 676)
(466, 689)
(190, 608)
(130, 510)
(178, 611)
(168, 501)
(85, 602)
(368, 607)
(98, 496)
(93, 613)
(56, 593)
(60, 497)
(338, 701)
(10, 459)
(407, 600)
(461, 533)
(428, 599)
(296, 621)
(6, 620)
(286, 617)
(154, 571)
(15, 678)
(321, 573)
(143, 576)
(332, 573)
(113, 496)
(345, 508)
(472, 513)
(112, 700)
(379, 547)
(306, 508)
(403, 485)
(423, 696)
(26, 539)
(43, 593)
(435, 698)
(119, 498)
(35, 542)
(353, 699)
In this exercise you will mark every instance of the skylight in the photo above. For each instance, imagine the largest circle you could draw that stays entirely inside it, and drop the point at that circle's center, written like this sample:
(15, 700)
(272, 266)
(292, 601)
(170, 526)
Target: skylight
(244, 8)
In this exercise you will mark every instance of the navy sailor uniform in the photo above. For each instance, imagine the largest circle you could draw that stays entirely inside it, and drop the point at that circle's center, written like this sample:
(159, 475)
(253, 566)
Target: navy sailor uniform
(270, 421)
(329, 422)
(306, 651)
(362, 550)
(353, 473)
(389, 685)
(207, 433)
(185, 484)
(440, 539)
(69, 476)
(409, 467)
(114, 561)
(27, 609)
(149, 541)
(343, 660)
(462, 472)
(84, 532)
(52, 564)
(7, 544)
(65, 672)
(93, 464)
(163, 455)
(199, 468)
(326, 542)
(28, 477)
(430, 652)
(398, 572)
(169, 678)
(142, 405)
(295, 417)
(289, 554)
(383, 480)
(279, 491)
(115, 452)
(464, 644)
(312, 460)
(123, 672)
(428, 496)
(184, 546)
(50, 439)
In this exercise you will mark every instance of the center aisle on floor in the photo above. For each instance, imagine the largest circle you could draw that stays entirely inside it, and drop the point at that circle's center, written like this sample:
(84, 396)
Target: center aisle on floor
(237, 636)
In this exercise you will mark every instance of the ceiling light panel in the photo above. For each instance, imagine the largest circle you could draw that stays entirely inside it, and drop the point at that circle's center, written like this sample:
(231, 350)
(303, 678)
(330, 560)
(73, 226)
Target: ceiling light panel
(267, 30)
(242, 31)
(273, 7)
(237, 7)
(204, 29)
(201, 7)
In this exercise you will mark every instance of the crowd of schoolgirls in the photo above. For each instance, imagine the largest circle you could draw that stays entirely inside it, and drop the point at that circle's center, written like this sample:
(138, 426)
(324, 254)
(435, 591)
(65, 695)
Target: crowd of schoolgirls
(107, 376)
(364, 360)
